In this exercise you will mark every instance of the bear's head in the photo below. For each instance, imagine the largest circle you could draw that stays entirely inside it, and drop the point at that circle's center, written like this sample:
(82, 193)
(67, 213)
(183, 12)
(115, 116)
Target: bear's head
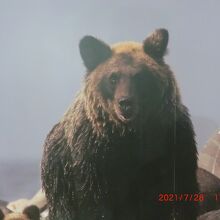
(29, 213)
(127, 82)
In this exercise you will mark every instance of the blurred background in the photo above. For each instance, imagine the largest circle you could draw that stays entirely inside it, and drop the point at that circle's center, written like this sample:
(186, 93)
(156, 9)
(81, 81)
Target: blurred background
(41, 69)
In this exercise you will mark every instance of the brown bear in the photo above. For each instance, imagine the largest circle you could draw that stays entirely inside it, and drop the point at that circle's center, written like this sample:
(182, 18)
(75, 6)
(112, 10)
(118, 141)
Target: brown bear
(125, 142)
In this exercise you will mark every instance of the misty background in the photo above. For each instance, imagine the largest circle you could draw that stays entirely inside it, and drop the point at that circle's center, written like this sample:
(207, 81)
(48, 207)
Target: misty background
(41, 69)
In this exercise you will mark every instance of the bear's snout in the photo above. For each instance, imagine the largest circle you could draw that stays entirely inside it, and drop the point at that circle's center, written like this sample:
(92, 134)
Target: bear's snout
(126, 109)
(126, 105)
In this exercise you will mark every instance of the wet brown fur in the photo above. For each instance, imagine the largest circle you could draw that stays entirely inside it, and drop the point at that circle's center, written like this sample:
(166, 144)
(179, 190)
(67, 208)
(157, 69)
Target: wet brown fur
(96, 167)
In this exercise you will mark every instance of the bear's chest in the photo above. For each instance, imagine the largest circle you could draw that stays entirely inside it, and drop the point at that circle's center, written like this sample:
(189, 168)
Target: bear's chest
(134, 151)
(130, 158)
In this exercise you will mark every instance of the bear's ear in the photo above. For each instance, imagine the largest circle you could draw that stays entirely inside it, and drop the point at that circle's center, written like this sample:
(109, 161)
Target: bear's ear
(93, 52)
(1, 215)
(32, 212)
(155, 45)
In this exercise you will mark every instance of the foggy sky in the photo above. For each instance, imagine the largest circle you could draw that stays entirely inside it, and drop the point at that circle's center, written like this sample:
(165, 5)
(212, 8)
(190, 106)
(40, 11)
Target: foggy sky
(41, 69)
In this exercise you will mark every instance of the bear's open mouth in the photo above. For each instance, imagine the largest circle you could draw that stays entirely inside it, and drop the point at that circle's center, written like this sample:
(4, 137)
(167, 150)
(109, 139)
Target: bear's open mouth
(125, 116)
(126, 119)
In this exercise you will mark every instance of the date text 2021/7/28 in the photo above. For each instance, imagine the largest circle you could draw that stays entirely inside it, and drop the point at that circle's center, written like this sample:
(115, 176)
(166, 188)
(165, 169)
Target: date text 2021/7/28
(187, 197)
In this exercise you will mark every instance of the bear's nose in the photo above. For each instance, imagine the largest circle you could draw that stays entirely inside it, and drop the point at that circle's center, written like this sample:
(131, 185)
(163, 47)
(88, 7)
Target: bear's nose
(125, 103)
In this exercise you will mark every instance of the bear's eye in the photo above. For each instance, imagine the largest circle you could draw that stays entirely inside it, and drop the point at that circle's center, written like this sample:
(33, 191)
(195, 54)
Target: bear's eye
(114, 79)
